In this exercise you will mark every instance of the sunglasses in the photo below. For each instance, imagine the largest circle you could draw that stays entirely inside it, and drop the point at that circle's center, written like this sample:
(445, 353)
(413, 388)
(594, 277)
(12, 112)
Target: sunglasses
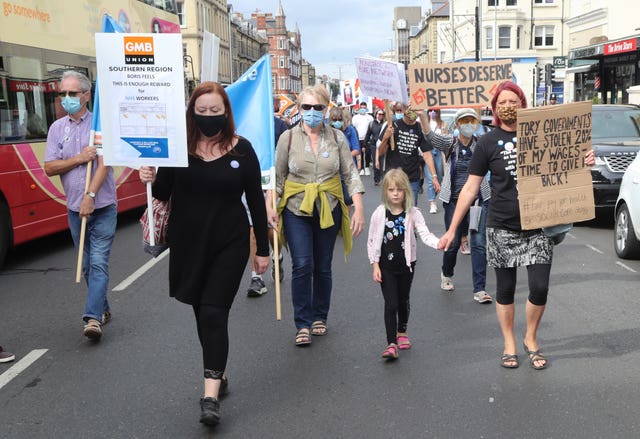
(73, 94)
(317, 107)
(336, 120)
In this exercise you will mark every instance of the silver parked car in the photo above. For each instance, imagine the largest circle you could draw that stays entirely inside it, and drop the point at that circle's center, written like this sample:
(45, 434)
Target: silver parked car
(626, 236)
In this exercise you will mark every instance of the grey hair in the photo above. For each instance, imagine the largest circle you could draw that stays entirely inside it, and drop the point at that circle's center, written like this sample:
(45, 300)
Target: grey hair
(318, 91)
(85, 83)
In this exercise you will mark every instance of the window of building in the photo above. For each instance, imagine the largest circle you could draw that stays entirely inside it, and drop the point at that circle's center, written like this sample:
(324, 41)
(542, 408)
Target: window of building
(493, 2)
(518, 37)
(282, 43)
(504, 37)
(283, 83)
(488, 37)
(543, 36)
(282, 62)
(181, 13)
(512, 2)
(543, 2)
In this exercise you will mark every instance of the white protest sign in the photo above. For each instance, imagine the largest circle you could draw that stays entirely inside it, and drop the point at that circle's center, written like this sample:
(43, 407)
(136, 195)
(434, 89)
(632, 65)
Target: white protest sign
(142, 104)
(382, 79)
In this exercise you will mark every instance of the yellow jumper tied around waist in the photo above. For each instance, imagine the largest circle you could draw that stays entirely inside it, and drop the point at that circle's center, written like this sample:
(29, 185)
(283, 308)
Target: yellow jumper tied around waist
(311, 192)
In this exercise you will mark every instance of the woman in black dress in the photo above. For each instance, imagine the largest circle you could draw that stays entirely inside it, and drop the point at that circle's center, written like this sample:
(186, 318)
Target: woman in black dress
(209, 228)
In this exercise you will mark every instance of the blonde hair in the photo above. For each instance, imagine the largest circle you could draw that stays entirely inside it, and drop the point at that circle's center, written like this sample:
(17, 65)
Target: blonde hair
(317, 91)
(398, 178)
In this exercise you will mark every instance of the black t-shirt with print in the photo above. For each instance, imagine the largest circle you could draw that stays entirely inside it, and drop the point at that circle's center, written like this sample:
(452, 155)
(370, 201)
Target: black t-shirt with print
(496, 152)
(410, 143)
(392, 250)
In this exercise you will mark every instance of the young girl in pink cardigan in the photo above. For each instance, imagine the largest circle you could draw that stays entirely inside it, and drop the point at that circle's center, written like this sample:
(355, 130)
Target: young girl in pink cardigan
(391, 248)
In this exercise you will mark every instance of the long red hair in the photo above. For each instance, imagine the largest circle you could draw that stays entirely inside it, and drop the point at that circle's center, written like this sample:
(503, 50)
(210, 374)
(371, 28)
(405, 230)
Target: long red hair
(509, 86)
(226, 136)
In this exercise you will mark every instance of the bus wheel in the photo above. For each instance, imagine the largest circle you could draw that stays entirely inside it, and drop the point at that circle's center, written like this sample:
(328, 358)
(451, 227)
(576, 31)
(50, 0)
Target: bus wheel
(5, 231)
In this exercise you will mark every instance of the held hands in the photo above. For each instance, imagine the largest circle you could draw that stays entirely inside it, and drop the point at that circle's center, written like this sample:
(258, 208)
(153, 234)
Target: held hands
(446, 240)
(377, 274)
(147, 174)
(89, 153)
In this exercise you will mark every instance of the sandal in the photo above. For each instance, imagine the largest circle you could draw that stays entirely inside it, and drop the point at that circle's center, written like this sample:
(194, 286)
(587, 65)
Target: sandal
(510, 361)
(319, 328)
(391, 352)
(535, 356)
(302, 337)
(403, 342)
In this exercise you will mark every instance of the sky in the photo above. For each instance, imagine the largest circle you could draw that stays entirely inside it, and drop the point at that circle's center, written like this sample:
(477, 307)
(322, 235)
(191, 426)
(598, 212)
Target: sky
(334, 32)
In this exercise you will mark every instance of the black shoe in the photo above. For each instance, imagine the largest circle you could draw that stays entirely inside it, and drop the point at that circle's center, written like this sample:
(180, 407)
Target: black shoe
(209, 411)
(257, 288)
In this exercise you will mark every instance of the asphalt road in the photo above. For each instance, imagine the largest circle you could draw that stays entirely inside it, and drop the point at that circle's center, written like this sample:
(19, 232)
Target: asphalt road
(143, 380)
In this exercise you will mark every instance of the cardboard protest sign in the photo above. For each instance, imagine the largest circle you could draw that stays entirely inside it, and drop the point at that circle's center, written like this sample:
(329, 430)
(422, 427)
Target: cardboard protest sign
(554, 185)
(456, 85)
(382, 79)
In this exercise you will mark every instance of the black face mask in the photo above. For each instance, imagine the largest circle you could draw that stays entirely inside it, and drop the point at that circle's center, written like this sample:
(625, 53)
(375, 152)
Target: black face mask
(210, 125)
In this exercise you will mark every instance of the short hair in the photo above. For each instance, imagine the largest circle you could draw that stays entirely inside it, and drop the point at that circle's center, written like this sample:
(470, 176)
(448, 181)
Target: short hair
(399, 179)
(509, 86)
(335, 111)
(85, 83)
(318, 91)
(363, 104)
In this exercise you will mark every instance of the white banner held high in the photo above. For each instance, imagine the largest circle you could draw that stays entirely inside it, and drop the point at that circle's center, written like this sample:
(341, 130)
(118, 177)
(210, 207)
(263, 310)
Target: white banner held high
(382, 79)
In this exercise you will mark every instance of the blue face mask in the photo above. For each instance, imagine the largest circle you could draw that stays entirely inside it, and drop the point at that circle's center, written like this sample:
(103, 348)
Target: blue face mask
(363, 111)
(398, 116)
(312, 118)
(467, 129)
(71, 105)
(337, 124)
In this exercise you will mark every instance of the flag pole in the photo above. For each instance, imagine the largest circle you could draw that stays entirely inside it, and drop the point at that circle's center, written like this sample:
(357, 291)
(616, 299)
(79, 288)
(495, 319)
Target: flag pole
(83, 225)
(276, 263)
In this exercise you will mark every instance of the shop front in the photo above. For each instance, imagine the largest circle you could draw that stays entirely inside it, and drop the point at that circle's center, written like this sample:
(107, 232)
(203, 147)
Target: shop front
(605, 71)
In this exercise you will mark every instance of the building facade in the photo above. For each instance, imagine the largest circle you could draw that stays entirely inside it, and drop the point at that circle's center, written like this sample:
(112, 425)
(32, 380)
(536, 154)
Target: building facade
(247, 45)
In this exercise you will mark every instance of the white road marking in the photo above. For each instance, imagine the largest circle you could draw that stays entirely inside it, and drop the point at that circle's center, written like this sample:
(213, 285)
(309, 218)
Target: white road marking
(626, 267)
(594, 249)
(20, 366)
(139, 272)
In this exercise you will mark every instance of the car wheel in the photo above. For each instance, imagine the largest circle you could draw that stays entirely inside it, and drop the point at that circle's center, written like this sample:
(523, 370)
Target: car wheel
(5, 231)
(624, 237)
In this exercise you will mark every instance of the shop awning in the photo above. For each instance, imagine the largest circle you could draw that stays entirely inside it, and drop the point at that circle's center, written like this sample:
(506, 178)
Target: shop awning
(582, 69)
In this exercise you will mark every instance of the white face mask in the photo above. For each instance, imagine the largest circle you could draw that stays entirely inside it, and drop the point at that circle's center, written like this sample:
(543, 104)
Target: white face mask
(467, 129)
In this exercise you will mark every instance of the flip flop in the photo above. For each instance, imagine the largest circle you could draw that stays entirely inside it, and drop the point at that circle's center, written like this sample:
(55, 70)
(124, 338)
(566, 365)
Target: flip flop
(303, 338)
(319, 328)
(403, 342)
(510, 361)
(535, 356)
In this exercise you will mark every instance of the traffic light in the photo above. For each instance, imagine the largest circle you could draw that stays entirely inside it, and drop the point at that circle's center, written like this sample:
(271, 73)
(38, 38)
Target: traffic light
(553, 73)
(540, 74)
(548, 72)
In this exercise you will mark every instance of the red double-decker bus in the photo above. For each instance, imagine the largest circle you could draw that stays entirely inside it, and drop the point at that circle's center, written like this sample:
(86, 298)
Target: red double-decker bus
(38, 42)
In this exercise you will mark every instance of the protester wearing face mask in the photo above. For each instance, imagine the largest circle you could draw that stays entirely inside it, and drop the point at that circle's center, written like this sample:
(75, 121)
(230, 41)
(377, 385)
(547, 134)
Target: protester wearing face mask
(311, 158)
(68, 155)
(371, 140)
(508, 246)
(458, 152)
(361, 121)
(411, 147)
(209, 228)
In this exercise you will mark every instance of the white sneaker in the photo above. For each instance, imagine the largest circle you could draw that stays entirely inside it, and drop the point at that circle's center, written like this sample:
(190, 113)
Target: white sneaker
(361, 171)
(433, 208)
(367, 171)
(482, 297)
(446, 283)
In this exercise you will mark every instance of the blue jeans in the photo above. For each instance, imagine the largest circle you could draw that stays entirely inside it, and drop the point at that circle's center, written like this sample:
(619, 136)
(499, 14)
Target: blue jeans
(415, 188)
(311, 250)
(99, 234)
(437, 162)
(477, 242)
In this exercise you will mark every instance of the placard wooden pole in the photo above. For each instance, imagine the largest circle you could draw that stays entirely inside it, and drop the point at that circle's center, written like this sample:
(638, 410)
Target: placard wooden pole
(388, 112)
(276, 262)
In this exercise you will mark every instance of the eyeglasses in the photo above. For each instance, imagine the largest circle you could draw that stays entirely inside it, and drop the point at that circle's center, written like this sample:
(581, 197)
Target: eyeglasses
(73, 94)
(317, 107)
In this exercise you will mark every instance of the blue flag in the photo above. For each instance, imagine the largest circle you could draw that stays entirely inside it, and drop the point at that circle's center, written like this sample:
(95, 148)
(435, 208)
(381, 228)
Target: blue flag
(109, 25)
(252, 105)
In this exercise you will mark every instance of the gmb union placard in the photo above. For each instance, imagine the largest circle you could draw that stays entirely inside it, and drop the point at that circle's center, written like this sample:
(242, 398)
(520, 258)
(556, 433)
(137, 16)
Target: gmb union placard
(142, 105)
(554, 185)
(455, 85)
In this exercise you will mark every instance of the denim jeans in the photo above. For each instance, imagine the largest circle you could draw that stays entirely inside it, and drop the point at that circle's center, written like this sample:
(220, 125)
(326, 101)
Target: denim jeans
(437, 163)
(415, 188)
(477, 242)
(99, 234)
(311, 250)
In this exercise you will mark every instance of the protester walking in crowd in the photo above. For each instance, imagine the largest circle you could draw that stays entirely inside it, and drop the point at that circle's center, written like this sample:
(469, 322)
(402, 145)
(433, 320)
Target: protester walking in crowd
(310, 160)
(209, 228)
(438, 126)
(361, 121)
(340, 119)
(391, 248)
(69, 155)
(458, 152)
(508, 246)
(411, 147)
(371, 140)
(6, 357)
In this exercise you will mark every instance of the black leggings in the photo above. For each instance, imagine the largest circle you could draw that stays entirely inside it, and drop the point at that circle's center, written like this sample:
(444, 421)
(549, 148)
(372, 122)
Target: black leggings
(537, 276)
(395, 290)
(212, 322)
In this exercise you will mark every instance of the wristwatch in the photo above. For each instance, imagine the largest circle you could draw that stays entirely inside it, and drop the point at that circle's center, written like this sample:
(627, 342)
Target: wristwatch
(91, 194)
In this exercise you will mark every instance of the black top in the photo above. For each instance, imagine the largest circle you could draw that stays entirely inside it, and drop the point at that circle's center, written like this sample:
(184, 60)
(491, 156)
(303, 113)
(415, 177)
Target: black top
(410, 143)
(208, 224)
(496, 152)
(392, 250)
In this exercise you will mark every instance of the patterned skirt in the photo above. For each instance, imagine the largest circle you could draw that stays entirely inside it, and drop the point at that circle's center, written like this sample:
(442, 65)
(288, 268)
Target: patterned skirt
(507, 249)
